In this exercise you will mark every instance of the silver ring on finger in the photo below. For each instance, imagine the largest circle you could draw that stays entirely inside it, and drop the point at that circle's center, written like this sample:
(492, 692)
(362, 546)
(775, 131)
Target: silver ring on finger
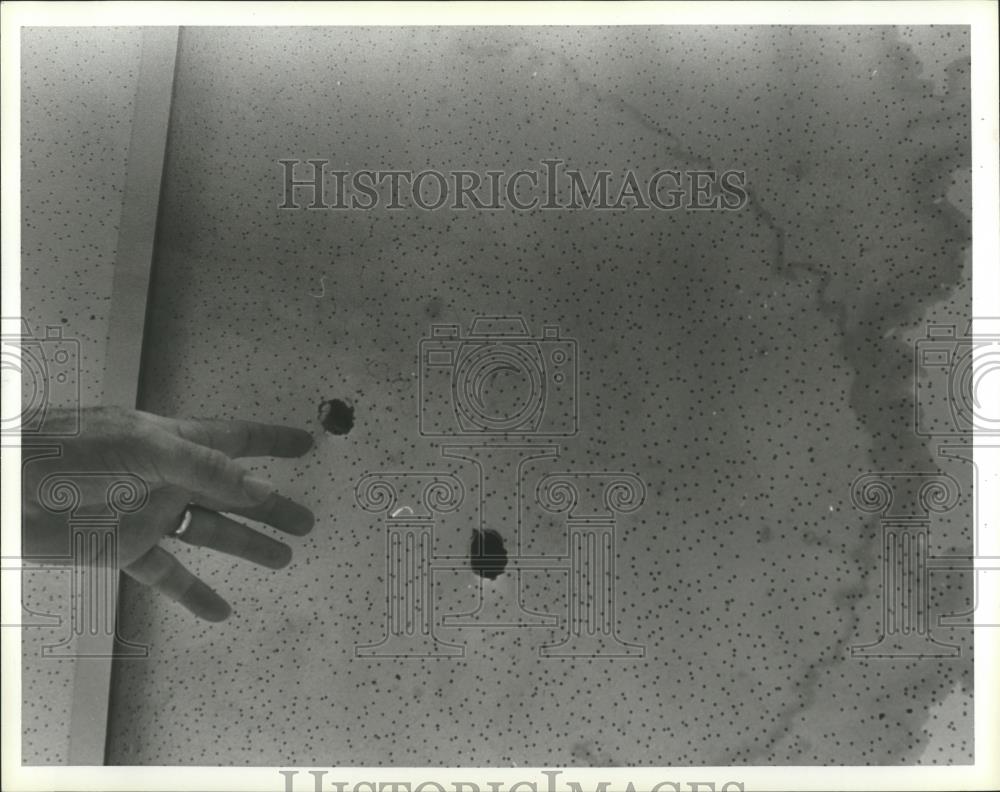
(184, 524)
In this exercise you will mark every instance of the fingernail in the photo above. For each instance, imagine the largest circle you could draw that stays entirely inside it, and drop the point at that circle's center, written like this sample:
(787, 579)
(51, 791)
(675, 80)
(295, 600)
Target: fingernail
(218, 611)
(300, 520)
(281, 557)
(306, 442)
(257, 488)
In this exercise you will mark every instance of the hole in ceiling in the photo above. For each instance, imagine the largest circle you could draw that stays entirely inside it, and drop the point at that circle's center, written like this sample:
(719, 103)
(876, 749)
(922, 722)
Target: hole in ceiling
(488, 556)
(337, 416)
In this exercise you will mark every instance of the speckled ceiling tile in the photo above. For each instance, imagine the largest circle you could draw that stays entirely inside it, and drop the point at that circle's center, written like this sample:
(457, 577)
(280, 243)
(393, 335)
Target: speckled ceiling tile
(737, 362)
(77, 93)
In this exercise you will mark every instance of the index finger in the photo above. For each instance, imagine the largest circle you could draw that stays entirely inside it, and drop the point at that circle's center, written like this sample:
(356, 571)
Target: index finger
(242, 438)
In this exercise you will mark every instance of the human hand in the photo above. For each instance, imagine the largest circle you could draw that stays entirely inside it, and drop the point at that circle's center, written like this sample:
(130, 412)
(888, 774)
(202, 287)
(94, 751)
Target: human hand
(182, 462)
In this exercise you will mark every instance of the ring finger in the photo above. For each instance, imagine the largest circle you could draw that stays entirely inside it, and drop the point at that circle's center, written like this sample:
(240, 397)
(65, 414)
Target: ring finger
(213, 530)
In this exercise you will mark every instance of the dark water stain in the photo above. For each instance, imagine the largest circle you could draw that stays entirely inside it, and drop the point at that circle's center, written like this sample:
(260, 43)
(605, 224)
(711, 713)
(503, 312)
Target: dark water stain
(882, 394)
